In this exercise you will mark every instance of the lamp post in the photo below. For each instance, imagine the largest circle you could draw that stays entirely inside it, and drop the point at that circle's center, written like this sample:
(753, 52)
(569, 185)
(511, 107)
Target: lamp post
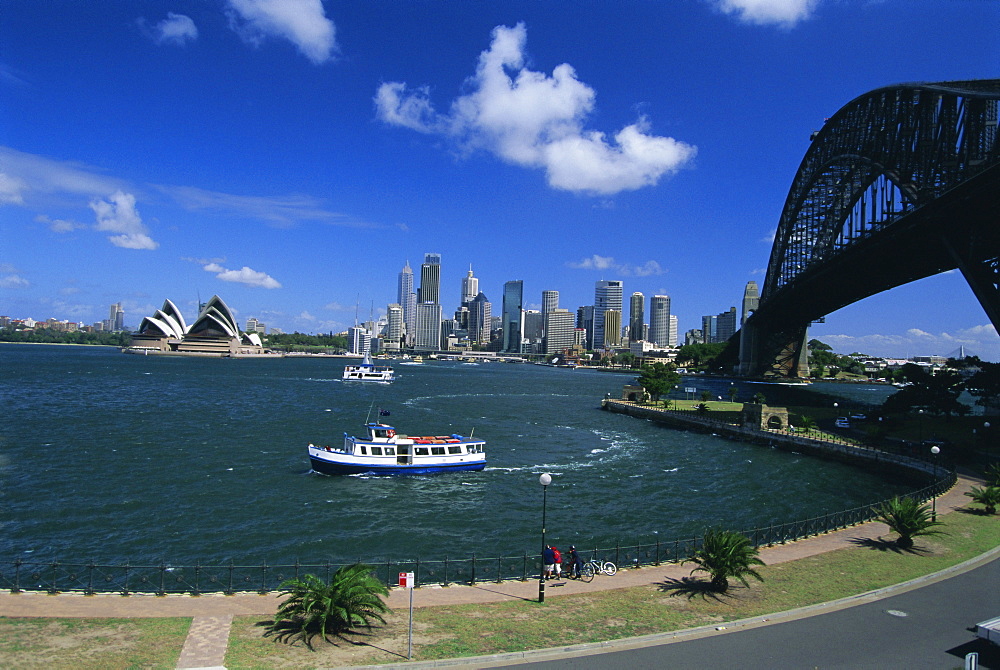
(935, 450)
(920, 425)
(544, 480)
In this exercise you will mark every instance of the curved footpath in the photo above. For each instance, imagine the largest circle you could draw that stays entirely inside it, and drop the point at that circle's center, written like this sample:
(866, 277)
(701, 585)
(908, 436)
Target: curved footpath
(207, 639)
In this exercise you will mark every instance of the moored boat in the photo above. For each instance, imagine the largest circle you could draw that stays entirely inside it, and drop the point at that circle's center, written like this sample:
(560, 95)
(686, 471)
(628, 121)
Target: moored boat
(383, 451)
(366, 371)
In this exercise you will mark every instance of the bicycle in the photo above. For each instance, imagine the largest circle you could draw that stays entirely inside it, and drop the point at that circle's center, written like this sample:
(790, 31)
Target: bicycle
(594, 566)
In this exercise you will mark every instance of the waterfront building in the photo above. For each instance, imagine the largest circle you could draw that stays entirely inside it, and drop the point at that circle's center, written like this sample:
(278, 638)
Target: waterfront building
(531, 342)
(659, 320)
(751, 300)
(480, 319)
(612, 328)
(116, 318)
(394, 326)
(406, 297)
(430, 279)
(719, 328)
(585, 322)
(255, 326)
(636, 316)
(560, 331)
(428, 328)
(513, 324)
(672, 339)
(607, 296)
(359, 340)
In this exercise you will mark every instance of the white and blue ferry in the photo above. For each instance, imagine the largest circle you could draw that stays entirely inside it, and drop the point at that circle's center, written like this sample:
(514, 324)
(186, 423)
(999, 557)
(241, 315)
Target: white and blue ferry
(385, 452)
(366, 371)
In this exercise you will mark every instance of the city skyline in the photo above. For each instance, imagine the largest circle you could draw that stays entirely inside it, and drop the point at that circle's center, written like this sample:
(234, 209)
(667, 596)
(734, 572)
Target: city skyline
(292, 158)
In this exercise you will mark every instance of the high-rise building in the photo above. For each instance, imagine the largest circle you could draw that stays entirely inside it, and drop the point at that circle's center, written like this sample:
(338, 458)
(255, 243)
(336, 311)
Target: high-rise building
(751, 300)
(585, 322)
(718, 328)
(480, 319)
(359, 340)
(513, 324)
(550, 301)
(531, 342)
(430, 279)
(672, 339)
(470, 288)
(394, 325)
(254, 325)
(612, 327)
(428, 329)
(607, 296)
(636, 316)
(659, 320)
(406, 297)
(116, 317)
(560, 331)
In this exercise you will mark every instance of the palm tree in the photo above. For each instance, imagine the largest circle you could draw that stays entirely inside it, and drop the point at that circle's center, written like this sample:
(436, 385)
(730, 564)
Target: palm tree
(808, 423)
(353, 596)
(988, 496)
(993, 475)
(909, 518)
(726, 554)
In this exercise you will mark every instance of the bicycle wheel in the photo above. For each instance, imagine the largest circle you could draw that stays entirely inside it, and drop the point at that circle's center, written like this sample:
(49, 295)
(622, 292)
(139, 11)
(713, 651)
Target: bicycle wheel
(609, 568)
(587, 572)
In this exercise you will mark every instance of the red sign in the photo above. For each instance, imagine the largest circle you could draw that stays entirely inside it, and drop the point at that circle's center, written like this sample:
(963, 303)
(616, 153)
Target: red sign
(406, 580)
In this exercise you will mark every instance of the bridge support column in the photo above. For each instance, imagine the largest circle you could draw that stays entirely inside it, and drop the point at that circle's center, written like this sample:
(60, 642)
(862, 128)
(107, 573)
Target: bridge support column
(782, 353)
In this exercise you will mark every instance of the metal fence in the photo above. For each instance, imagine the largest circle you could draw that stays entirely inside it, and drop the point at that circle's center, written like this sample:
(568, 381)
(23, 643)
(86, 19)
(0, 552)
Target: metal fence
(163, 579)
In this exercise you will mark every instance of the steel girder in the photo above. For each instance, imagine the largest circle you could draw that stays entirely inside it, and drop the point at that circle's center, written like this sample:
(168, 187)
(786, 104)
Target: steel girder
(874, 181)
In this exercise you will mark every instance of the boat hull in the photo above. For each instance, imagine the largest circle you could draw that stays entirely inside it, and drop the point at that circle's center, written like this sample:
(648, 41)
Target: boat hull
(325, 467)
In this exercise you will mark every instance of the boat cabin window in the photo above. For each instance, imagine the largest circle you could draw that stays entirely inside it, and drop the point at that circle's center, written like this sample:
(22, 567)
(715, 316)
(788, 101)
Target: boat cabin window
(390, 451)
(437, 451)
(376, 451)
(364, 451)
(454, 450)
(381, 432)
(420, 451)
(405, 449)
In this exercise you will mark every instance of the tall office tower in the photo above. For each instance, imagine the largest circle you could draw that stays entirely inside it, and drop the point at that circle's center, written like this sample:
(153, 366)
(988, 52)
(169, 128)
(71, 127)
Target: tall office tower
(430, 279)
(585, 322)
(359, 340)
(612, 327)
(428, 335)
(513, 324)
(709, 324)
(636, 316)
(470, 288)
(480, 319)
(607, 295)
(407, 299)
(672, 339)
(726, 327)
(659, 320)
(550, 301)
(116, 317)
(394, 325)
(751, 299)
(560, 330)
(531, 342)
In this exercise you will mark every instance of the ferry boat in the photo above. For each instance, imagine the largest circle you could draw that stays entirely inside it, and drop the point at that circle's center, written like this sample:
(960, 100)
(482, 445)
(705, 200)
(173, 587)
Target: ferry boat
(367, 371)
(385, 452)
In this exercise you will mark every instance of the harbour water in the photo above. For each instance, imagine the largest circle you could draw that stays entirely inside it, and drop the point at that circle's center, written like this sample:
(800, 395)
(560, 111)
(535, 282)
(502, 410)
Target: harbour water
(108, 457)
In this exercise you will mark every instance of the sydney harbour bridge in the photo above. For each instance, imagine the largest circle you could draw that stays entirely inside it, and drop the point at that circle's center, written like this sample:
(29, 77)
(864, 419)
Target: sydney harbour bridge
(900, 184)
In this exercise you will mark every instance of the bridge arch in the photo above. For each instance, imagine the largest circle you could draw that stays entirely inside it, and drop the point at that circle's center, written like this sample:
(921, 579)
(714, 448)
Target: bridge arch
(914, 168)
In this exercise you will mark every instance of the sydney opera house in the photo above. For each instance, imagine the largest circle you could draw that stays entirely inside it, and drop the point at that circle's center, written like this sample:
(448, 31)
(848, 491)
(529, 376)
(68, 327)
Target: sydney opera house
(213, 333)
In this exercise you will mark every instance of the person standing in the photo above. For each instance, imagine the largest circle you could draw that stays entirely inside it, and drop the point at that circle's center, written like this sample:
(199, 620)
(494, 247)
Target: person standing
(548, 561)
(575, 561)
(557, 561)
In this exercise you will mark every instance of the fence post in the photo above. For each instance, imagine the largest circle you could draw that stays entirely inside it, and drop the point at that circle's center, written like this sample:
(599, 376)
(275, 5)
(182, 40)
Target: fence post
(445, 571)
(524, 569)
(263, 578)
(473, 583)
(657, 562)
(52, 586)
(197, 576)
(17, 576)
(617, 552)
(163, 576)
(499, 568)
(90, 579)
(125, 587)
(230, 591)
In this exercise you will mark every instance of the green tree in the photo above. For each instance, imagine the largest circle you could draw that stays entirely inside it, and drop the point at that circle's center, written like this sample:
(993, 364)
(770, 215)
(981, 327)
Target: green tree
(987, 496)
(808, 423)
(908, 518)
(725, 555)
(353, 597)
(658, 379)
(733, 392)
(935, 393)
(984, 384)
(699, 356)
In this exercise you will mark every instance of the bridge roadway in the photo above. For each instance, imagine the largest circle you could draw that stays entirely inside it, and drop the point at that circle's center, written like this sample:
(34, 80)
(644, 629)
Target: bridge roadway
(854, 633)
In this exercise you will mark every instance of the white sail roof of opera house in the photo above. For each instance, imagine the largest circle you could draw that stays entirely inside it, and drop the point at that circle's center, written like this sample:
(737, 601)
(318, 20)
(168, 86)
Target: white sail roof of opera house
(215, 320)
(168, 320)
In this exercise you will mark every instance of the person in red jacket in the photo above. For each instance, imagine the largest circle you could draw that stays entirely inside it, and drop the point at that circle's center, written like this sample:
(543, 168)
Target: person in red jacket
(558, 561)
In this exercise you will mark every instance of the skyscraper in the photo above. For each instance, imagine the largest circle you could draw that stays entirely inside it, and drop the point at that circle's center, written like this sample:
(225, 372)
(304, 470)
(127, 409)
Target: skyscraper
(470, 288)
(513, 295)
(659, 320)
(607, 295)
(636, 316)
(550, 301)
(612, 327)
(394, 326)
(428, 335)
(480, 319)
(116, 318)
(559, 330)
(407, 299)
(585, 322)
(430, 279)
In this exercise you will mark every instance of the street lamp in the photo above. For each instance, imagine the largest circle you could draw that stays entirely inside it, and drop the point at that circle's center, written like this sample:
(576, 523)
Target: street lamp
(544, 480)
(920, 425)
(935, 450)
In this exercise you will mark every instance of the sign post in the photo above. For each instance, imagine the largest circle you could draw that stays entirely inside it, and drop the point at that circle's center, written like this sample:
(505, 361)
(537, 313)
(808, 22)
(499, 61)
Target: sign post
(406, 581)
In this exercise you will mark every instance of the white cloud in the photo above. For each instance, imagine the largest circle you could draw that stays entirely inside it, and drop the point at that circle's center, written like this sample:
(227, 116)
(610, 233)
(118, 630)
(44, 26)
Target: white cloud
(14, 281)
(595, 262)
(536, 120)
(118, 214)
(59, 225)
(176, 29)
(25, 178)
(980, 340)
(278, 211)
(243, 276)
(301, 22)
(337, 307)
(785, 13)
(11, 189)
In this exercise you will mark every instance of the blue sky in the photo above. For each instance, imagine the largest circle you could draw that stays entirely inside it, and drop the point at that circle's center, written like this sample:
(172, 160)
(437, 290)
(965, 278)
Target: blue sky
(292, 155)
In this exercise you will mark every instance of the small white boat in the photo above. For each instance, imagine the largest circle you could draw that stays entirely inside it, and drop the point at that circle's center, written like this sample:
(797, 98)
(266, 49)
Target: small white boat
(367, 371)
(385, 452)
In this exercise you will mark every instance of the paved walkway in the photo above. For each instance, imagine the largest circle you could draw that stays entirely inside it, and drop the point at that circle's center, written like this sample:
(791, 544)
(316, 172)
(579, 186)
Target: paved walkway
(213, 614)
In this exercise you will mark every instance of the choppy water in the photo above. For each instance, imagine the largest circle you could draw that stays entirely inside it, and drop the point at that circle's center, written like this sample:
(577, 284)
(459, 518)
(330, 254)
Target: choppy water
(111, 457)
